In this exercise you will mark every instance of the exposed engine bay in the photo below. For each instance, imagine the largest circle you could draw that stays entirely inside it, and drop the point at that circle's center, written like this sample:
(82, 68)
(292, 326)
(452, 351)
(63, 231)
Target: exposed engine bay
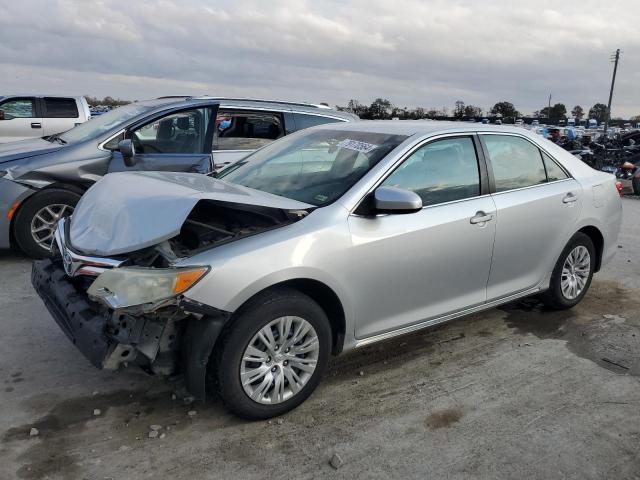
(210, 224)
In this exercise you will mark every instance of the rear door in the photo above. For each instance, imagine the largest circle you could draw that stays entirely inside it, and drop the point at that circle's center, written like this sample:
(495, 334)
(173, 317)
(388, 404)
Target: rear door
(20, 119)
(537, 206)
(59, 114)
(240, 131)
(179, 141)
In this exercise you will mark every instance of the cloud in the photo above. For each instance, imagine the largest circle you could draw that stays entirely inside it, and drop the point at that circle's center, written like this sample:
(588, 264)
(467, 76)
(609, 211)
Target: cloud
(413, 52)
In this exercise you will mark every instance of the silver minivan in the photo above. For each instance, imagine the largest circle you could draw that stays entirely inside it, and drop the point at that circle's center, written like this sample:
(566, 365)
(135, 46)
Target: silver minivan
(326, 240)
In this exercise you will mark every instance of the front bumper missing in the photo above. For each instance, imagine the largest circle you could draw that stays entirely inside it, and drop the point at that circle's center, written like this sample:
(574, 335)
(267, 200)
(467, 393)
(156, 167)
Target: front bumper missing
(108, 338)
(72, 312)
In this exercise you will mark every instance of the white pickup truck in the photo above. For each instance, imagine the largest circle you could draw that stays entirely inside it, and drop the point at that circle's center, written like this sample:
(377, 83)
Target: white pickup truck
(28, 116)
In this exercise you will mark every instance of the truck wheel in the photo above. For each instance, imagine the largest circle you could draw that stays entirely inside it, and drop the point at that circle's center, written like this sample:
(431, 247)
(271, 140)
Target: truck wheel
(572, 274)
(273, 355)
(36, 220)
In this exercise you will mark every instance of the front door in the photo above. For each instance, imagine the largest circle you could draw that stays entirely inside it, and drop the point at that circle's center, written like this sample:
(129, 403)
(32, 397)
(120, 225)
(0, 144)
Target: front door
(179, 142)
(407, 268)
(537, 206)
(19, 120)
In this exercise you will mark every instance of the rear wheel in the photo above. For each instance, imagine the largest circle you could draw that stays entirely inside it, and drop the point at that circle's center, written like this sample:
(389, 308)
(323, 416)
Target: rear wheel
(36, 221)
(273, 356)
(572, 273)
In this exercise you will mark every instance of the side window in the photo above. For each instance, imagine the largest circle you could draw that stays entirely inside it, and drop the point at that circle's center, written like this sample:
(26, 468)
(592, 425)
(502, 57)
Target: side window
(181, 132)
(60, 108)
(554, 172)
(516, 162)
(19, 108)
(244, 130)
(441, 171)
(306, 121)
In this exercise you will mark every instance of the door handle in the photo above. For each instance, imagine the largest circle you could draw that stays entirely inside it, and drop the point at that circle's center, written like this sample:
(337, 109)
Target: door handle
(481, 217)
(36, 125)
(569, 198)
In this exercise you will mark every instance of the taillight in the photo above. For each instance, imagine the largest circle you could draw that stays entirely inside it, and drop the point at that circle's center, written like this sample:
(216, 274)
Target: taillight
(619, 188)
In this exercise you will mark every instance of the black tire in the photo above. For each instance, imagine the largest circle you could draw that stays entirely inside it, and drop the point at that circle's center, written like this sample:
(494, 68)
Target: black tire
(26, 213)
(554, 297)
(636, 185)
(258, 313)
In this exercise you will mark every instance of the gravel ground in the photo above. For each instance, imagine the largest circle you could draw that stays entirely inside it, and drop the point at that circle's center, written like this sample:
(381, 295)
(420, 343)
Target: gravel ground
(515, 392)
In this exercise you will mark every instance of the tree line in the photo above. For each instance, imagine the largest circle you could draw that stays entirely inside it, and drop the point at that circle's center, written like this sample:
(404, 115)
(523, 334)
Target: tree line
(383, 109)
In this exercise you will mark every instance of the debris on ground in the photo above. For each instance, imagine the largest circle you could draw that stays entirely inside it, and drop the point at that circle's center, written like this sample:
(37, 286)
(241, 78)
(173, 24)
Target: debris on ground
(96, 412)
(34, 432)
(162, 435)
(361, 373)
(155, 427)
(153, 434)
(336, 462)
(192, 413)
(280, 421)
(188, 400)
(174, 396)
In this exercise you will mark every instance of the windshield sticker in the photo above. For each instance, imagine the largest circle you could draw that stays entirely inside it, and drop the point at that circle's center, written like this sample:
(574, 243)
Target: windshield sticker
(363, 147)
(321, 198)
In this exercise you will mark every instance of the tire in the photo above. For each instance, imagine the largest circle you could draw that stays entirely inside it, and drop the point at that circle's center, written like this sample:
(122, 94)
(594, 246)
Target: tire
(242, 332)
(561, 299)
(55, 199)
(636, 185)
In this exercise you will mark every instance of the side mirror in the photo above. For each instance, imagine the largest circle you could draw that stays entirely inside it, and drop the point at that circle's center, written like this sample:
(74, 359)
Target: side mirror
(396, 200)
(1, 114)
(128, 152)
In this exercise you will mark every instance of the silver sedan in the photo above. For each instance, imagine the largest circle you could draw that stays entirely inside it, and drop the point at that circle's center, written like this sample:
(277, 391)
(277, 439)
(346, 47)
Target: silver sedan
(324, 241)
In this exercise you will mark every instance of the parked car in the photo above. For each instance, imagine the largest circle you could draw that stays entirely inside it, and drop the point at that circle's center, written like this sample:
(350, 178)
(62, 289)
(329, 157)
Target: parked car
(326, 240)
(42, 179)
(32, 116)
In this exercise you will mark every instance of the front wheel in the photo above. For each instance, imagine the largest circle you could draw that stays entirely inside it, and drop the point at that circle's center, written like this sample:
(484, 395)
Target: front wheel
(36, 221)
(572, 273)
(273, 355)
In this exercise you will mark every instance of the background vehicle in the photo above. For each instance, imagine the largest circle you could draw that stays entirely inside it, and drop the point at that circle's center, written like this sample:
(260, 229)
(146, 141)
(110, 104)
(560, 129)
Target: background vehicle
(29, 116)
(41, 180)
(330, 239)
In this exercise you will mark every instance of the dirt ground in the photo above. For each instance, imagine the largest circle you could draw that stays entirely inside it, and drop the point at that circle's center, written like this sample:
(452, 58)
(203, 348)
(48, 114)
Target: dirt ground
(515, 392)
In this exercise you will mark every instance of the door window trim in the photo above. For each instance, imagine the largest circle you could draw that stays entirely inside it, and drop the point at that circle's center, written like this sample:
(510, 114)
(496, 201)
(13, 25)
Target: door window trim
(541, 150)
(482, 171)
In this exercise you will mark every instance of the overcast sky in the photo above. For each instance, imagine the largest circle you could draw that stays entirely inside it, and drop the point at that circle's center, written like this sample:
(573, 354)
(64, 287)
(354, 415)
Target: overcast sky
(413, 52)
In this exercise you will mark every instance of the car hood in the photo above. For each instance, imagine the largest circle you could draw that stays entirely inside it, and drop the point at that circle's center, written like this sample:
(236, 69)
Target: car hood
(26, 148)
(124, 212)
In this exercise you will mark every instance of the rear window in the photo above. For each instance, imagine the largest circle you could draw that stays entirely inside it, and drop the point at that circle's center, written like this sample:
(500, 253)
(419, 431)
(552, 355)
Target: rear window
(60, 108)
(306, 121)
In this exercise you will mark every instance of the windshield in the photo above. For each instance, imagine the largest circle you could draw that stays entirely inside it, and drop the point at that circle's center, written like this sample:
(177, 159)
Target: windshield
(315, 166)
(103, 123)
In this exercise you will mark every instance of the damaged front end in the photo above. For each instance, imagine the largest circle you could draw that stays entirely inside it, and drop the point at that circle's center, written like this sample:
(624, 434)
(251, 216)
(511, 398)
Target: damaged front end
(129, 308)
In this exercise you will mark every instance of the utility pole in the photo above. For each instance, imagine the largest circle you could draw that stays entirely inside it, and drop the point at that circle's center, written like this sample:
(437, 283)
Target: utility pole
(549, 110)
(607, 117)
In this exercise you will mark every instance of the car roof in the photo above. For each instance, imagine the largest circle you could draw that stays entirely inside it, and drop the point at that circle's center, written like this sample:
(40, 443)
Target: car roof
(421, 127)
(260, 104)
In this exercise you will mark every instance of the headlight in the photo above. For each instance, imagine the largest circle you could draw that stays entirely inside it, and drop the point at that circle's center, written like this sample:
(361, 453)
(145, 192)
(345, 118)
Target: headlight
(129, 286)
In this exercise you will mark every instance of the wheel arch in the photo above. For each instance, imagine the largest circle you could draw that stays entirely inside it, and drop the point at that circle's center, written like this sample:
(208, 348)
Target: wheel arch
(77, 188)
(319, 292)
(598, 242)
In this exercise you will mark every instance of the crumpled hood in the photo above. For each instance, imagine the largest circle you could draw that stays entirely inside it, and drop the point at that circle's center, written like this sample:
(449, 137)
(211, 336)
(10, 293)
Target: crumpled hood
(26, 148)
(128, 211)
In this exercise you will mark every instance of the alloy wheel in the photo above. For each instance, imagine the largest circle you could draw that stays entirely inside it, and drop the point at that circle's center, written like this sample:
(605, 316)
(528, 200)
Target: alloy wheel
(44, 222)
(575, 272)
(279, 360)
